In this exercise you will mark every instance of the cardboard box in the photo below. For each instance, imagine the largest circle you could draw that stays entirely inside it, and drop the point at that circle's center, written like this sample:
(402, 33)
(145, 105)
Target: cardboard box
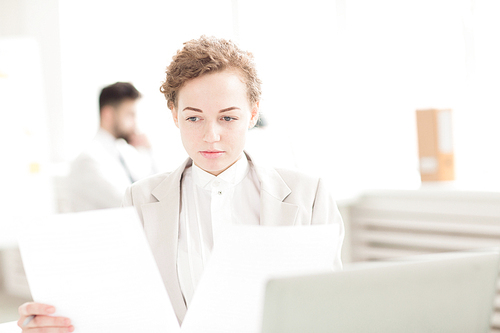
(435, 145)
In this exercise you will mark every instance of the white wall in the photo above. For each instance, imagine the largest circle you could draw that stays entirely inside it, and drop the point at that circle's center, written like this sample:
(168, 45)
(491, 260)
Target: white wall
(104, 41)
(327, 93)
(31, 107)
(342, 79)
(40, 20)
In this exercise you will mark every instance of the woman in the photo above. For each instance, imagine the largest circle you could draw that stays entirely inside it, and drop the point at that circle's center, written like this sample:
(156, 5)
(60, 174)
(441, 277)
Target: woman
(213, 92)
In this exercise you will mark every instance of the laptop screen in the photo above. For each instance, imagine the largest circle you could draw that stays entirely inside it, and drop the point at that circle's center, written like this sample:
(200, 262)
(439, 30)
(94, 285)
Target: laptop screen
(451, 292)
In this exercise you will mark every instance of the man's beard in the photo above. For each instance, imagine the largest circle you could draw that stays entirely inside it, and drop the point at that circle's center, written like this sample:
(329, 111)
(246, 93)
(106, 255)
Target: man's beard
(122, 135)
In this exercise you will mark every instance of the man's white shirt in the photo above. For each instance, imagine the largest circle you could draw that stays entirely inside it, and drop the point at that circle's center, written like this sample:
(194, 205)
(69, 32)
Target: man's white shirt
(100, 175)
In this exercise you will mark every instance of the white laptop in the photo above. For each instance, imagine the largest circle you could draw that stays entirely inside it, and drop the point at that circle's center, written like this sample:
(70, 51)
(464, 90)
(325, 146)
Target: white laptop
(451, 292)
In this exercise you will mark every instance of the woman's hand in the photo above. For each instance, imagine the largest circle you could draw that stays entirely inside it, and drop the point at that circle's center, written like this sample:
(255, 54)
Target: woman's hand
(42, 321)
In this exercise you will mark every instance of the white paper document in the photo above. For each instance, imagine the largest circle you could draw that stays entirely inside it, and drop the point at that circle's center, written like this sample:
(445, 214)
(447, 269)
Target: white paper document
(97, 269)
(230, 295)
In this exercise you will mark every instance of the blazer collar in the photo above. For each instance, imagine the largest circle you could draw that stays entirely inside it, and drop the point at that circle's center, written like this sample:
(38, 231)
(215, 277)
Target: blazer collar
(161, 219)
(273, 191)
(173, 181)
(271, 182)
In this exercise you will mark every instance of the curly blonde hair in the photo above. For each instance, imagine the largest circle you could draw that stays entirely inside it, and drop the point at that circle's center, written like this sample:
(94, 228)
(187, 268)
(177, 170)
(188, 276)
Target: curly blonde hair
(209, 55)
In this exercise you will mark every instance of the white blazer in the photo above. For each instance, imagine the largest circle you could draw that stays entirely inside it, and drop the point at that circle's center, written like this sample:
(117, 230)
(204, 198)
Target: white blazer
(287, 198)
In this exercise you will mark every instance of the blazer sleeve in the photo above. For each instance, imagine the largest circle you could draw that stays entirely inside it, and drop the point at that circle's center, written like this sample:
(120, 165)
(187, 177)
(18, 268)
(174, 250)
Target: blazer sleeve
(127, 198)
(325, 211)
(128, 201)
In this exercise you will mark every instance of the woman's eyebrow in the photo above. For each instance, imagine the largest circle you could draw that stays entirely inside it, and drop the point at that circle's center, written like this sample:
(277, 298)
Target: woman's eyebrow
(230, 108)
(192, 109)
(189, 108)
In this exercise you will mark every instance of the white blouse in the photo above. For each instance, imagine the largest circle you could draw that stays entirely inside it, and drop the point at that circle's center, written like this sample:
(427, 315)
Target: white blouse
(208, 204)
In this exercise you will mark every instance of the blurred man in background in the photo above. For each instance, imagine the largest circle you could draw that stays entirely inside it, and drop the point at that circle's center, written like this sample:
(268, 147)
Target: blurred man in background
(116, 157)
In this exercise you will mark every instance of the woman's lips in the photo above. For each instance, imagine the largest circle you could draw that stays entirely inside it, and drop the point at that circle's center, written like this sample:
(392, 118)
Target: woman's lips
(210, 154)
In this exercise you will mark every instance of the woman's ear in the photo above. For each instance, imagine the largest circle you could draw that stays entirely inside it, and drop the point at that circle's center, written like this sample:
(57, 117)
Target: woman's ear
(175, 114)
(254, 115)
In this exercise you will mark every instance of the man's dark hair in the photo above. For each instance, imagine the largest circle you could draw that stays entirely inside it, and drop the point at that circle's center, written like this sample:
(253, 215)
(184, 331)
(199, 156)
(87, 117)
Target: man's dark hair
(116, 93)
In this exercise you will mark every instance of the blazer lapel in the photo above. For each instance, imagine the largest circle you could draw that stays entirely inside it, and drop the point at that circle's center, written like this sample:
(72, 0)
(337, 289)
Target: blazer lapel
(161, 224)
(273, 210)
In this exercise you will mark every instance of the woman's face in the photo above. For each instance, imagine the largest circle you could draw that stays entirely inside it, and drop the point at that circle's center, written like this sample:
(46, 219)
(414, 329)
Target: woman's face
(214, 114)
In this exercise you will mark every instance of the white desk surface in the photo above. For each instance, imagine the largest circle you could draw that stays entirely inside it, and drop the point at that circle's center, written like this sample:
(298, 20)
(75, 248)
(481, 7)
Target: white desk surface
(10, 327)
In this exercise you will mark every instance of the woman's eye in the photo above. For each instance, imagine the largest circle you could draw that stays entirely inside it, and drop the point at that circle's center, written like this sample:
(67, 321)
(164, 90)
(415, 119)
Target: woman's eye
(226, 118)
(192, 119)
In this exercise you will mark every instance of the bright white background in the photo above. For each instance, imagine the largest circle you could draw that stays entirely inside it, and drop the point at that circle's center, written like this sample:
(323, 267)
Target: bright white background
(342, 79)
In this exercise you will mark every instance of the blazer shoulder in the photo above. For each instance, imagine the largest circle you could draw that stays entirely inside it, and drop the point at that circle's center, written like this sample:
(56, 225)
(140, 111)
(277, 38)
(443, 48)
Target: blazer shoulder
(296, 186)
(155, 187)
(141, 190)
(297, 179)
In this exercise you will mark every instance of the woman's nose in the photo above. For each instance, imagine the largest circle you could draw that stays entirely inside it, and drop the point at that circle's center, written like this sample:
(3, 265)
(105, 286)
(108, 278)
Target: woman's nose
(211, 133)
